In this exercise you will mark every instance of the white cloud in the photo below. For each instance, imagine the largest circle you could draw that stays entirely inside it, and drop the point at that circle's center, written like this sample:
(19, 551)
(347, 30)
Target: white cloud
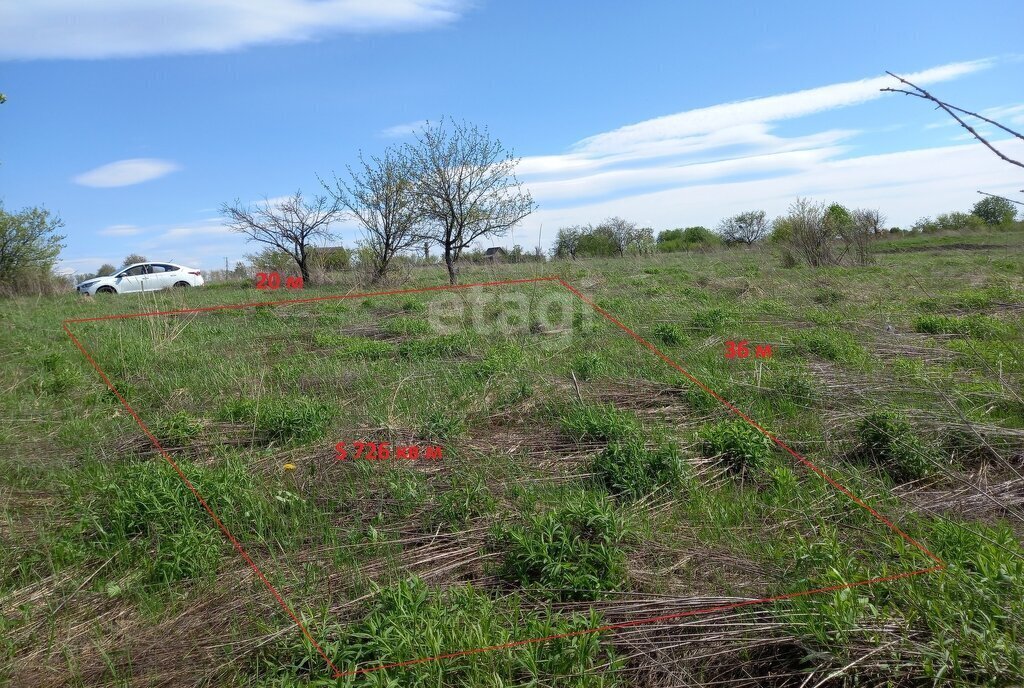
(74, 266)
(1004, 114)
(126, 172)
(206, 228)
(742, 127)
(119, 230)
(128, 28)
(904, 186)
(400, 130)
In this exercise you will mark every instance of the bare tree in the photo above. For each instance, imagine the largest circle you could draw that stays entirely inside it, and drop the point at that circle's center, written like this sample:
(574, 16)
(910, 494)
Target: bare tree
(379, 195)
(292, 225)
(465, 187)
(622, 233)
(871, 219)
(866, 224)
(746, 228)
(955, 112)
(811, 234)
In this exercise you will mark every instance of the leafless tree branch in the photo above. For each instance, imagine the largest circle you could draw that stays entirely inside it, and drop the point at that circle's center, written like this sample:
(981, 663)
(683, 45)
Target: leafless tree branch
(952, 111)
(985, 193)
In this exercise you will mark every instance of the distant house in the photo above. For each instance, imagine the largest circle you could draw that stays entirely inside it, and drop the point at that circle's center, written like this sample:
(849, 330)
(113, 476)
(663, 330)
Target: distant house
(495, 254)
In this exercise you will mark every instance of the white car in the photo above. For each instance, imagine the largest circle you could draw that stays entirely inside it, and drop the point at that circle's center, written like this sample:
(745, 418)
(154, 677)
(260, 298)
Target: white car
(142, 277)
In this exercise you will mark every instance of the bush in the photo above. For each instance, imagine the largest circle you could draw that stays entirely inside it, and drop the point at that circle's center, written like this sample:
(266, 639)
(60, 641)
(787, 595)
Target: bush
(709, 320)
(30, 248)
(465, 499)
(571, 552)
(588, 365)
(287, 419)
(741, 446)
(977, 326)
(632, 469)
(146, 518)
(668, 334)
(600, 422)
(178, 429)
(887, 439)
(829, 343)
(409, 620)
(993, 210)
(689, 239)
(828, 296)
(443, 427)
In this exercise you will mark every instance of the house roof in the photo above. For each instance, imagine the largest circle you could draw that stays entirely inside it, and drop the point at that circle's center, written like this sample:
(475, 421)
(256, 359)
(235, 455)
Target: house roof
(494, 249)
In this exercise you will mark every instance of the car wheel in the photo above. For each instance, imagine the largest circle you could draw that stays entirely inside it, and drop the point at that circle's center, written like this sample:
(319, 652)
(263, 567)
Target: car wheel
(181, 285)
(106, 290)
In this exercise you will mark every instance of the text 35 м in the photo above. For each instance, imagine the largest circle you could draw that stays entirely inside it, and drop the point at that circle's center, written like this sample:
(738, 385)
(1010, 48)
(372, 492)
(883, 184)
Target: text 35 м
(380, 451)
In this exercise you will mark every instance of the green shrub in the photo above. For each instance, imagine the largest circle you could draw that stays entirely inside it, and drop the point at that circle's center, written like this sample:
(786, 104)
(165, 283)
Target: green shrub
(58, 376)
(632, 469)
(441, 426)
(887, 439)
(689, 239)
(709, 319)
(178, 428)
(145, 517)
(828, 296)
(409, 620)
(977, 326)
(502, 359)
(586, 423)
(668, 334)
(287, 419)
(571, 552)
(829, 343)
(740, 445)
(588, 365)
(793, 386)
(414, 306)
(467, 498)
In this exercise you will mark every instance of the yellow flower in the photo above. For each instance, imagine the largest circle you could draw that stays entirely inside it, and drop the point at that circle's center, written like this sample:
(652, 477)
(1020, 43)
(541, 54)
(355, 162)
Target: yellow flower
(289, 467)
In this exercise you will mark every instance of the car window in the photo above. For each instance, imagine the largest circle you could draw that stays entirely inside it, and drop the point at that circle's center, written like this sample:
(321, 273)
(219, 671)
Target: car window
(167, 268)
(132, 272)
(155, 269)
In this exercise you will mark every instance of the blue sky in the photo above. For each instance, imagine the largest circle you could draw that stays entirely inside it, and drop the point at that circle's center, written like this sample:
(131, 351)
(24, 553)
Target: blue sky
(135, 119)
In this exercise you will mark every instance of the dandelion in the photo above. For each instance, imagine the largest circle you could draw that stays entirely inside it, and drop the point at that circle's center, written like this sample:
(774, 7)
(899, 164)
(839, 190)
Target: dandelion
(289, 467)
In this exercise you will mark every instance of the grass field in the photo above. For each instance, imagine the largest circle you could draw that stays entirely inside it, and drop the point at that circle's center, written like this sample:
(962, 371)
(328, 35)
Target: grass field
(584, 482)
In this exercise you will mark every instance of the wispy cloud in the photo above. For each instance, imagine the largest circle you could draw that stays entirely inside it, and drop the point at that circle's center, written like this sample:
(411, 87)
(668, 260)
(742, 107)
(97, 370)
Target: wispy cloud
(1004, 114)
(120, 230)
(904, 185)
(126, 172)
(400, 130)
(203, 229)
(130, 28)
(710, 143)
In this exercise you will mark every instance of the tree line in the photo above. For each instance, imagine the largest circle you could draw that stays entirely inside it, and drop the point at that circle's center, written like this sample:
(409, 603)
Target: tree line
(810, 232)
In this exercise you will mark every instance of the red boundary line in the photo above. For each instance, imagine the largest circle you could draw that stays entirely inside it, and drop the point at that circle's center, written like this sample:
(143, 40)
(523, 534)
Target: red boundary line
(939, 563)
